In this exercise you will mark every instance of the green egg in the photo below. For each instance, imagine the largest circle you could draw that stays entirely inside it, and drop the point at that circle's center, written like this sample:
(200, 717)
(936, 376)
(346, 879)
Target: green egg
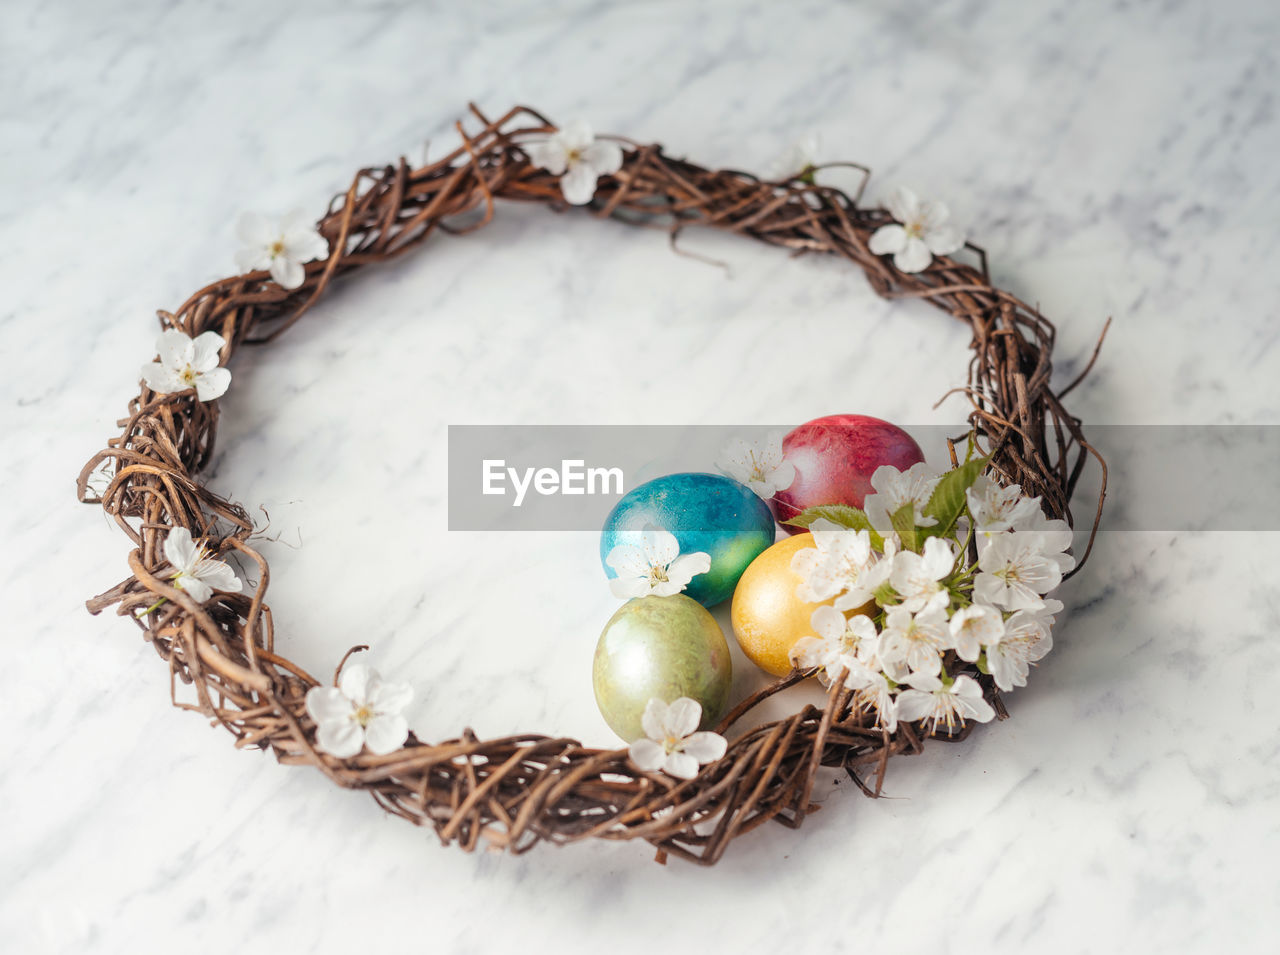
(664, 647)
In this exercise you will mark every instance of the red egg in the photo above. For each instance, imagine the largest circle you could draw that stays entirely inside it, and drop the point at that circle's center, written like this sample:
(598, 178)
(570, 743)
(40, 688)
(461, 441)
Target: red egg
(834, 458)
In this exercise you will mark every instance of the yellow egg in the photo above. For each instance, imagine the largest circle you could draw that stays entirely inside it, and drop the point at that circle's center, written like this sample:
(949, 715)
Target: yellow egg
(768, 617)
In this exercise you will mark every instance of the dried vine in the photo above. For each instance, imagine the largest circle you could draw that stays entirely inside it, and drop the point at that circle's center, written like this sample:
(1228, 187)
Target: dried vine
(517, 791)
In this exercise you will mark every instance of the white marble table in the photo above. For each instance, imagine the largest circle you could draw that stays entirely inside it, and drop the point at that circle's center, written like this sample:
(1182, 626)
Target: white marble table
(1113, 159)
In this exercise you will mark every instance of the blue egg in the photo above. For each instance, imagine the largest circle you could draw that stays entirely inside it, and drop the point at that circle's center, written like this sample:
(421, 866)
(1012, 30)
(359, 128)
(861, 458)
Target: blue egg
(705, 512)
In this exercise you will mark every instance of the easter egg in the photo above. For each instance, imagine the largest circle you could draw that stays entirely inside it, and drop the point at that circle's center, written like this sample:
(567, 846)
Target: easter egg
(834, 458)
(663, 647)
(706, 513)
(768, 618)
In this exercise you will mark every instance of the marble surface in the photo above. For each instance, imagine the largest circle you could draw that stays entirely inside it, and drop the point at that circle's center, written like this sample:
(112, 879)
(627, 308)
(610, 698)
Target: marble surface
(1113, 158)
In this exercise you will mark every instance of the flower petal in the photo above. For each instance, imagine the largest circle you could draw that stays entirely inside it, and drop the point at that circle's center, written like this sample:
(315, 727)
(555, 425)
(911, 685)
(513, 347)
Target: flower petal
(287, 273)
(174, 348)
(828, 622)
(389, 697)
(939, 557)
(914, 705)
(980, 711)
(647, 755)
(783, 476)
(706, 747)
(577, 134)
(682, 717)
(887, 239)
(628, 560)
(660, 546)
(356, 680)
(578, 184)
(253, 259)
(206, 351)
(180, 549)
(680, 765)
(340, 738)
(807, 652)
(549, 155)
(386, 734)
(654, 718)
(903, 205)
(327, 704)
(966, 687)
(687, 566)
(604, 156)
(194, 587)
(218, 575)
(733, 461)
(932, 214)
(863, 627)
(625, 588)
(913, 257)
(305, 245)
(213, 384)
(1003, 670)
(162, 380)
(805, 561)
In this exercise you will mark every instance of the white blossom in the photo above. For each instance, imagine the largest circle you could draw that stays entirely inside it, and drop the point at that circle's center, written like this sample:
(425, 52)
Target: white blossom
(797, 159)
(281, 246)
(921, 234)
(947, 703)
(1055, 537)
(913, 643)
(973, 628)
(997, 507)
(758, 464)
(1026, 638)
(918, 577)
(841, 564)
(578, 158)
(671, 743)
(1015, 570)
(194, 570)
(362, 711)
(873, 694)
(188, 363)
(895, 490)
(655, 567)
(839, 643)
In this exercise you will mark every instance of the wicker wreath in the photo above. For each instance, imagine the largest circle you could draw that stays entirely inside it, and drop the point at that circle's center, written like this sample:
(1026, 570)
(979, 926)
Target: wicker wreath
(514, 792)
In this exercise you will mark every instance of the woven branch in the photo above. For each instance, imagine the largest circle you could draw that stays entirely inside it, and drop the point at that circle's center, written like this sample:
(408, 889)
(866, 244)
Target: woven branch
(515, 792)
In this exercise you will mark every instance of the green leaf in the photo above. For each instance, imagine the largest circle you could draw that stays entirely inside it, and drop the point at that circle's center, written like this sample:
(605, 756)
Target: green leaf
(947, 501)
(904, 522)
(842, 514)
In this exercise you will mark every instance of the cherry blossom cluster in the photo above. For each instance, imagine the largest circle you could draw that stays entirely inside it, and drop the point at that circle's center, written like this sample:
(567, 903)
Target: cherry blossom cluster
(906, 606)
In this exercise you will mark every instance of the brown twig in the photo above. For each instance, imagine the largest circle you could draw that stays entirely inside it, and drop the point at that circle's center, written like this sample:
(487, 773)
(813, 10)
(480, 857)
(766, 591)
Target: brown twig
(518, 791)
